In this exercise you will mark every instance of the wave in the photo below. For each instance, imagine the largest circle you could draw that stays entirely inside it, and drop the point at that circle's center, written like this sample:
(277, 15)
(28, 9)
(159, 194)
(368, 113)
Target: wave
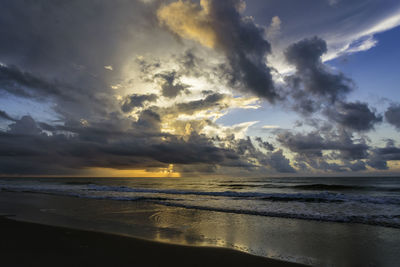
(314, 187)
(111, 193)
(323, 197)
(379, 220)
(337, 187)
(299, 197)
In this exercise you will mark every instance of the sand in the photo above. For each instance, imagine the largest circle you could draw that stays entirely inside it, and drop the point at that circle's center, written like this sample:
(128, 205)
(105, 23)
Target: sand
(30, 244)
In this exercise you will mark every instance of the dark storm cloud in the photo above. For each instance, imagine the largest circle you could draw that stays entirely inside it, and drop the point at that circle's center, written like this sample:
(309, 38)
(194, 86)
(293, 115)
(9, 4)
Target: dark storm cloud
(29, 147)
(313, 82)
(25, 149)
(76, 37)
(220, 24)
(245, 47)
(392, 115)
(5, 116)
(60, 49)
(356, 116)
(71, 102)
(133, 101)
(25, 84)
(315, 87)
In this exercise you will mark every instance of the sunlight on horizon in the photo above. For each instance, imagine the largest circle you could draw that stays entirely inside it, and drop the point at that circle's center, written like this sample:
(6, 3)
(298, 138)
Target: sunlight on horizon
(134, 173)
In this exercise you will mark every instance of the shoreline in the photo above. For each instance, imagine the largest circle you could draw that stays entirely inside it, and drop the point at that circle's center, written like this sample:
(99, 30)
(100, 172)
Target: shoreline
(33, 244)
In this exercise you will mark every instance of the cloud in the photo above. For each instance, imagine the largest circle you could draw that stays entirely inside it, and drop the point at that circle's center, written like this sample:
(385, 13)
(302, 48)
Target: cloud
(133, 101)
(380, 156)
(219, 25)
(316, 87)
(271, 127)
(258, 160)
(312, 76)
(25, 126)
(189, 21)
(25, 84)
(279, 162)
(392, 115)
(347, 26)
(170, 84)
(214, 100)
(5, 116)
(120, 143)
(103, 145)
(325, 150)
(264, 144)
(353, 115)
(364, 39)
(274, 29)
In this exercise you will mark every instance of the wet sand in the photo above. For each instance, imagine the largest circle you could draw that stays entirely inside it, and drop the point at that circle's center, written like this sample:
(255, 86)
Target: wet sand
(31, 244)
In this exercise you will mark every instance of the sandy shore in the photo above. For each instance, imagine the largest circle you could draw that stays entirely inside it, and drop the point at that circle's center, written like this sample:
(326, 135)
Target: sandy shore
(30, 244)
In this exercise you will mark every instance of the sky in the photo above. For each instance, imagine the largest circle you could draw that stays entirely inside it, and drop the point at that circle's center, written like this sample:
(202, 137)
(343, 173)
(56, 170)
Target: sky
(152, 88)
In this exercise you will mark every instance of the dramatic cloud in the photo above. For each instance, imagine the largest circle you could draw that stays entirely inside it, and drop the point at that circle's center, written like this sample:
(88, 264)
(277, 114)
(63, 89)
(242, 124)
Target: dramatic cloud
(109, 145)
(312, 76)
(316, 87)
(103, 147)
(220, 25)
(185, 85)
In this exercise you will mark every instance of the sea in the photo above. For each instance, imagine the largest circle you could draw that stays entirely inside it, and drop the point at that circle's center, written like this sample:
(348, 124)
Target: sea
(320, 221)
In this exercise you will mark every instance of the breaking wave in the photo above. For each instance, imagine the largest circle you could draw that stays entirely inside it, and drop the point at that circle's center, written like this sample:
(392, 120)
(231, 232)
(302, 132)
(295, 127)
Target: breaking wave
(183, 199)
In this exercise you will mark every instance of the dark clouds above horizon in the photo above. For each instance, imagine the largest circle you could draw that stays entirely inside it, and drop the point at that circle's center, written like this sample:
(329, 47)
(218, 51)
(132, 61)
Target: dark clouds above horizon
(131, 85)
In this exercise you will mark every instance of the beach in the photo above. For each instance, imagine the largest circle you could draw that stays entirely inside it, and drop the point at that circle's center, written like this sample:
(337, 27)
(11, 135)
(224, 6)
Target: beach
(29, 244)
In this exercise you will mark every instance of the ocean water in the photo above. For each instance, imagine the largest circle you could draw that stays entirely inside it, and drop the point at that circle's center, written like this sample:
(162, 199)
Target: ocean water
(317, 221)
(373, 201)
